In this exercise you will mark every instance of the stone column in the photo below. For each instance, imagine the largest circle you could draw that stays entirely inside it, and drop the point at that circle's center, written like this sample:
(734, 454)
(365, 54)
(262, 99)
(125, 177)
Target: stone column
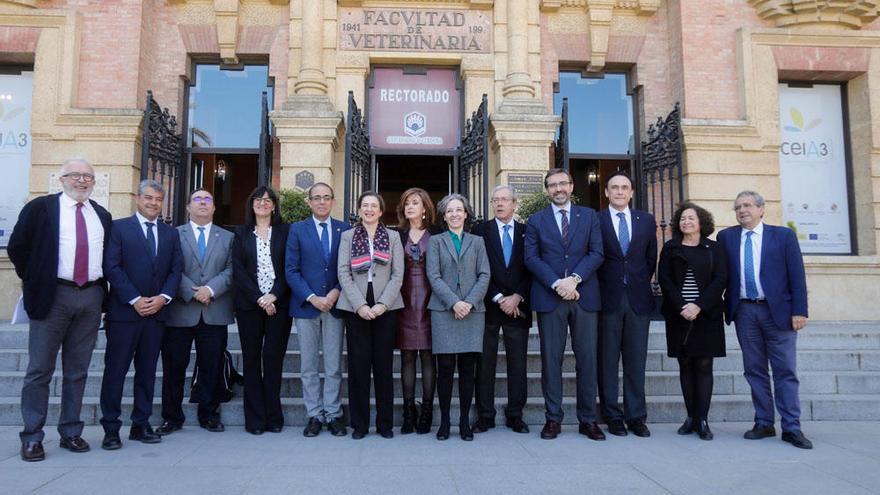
(518, 83)
(310, 80)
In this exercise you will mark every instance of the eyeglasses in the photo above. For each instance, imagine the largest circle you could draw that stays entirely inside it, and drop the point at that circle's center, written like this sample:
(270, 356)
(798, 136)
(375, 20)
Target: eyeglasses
(76, 177)
(206, 200)
(415, 252)
(496, 201)
(318, 199)
(263, 201)
(556, 185)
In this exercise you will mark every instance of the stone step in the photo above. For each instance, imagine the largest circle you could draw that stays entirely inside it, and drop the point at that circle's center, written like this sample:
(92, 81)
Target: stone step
(814, 407)
(657, 383)
(818, 336)
(657, 360)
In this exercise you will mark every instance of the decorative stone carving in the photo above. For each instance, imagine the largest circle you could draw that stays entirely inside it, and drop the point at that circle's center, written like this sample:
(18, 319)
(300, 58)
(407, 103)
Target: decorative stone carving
(26, 3)
(601, 14)
(849, 13)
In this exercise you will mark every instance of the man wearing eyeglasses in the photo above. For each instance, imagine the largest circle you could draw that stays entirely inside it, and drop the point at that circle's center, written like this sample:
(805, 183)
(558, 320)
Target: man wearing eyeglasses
(57, 247)
(563, 250)
(310, 266)
(200, 312)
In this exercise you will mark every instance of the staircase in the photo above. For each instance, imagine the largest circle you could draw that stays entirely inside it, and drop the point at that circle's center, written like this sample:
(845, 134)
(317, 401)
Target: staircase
(838, 363)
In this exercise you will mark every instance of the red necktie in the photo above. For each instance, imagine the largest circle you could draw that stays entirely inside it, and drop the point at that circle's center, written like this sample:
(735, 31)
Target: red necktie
(81, 259)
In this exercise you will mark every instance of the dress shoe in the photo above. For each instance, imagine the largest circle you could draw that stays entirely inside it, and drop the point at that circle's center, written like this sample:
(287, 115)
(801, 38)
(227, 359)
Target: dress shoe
(443, 431)
(465, 431)
(166, 428)
(111, 441)
(313, 428)
(592, 431)
(426, 418)
(337, 428)
(144, 434)
(482, 425)
(551, 430)
(32, 451)
(617, 428)
(357, 435)
(687, 427)
(386, 433)
(639, 429)
(797, 439)
(759, 432)
(517, 425)
(703, 430)
(274, 429)
(74, 444)
(253, 431)
(213, 425)
(410, 416)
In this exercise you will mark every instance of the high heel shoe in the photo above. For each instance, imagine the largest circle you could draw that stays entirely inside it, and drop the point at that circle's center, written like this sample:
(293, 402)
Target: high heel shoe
(687, 427)
(409, 416)
(443, 431)
(464, 430)
(703, 430)
(426, 418)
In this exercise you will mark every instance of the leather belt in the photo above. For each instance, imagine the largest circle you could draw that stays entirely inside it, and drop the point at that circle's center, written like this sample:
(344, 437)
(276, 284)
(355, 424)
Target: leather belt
(70, 283)
(754, 301)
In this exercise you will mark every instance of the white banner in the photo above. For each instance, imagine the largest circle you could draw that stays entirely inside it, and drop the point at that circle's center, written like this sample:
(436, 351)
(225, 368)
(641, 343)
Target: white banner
(812, 168)
(16, 92)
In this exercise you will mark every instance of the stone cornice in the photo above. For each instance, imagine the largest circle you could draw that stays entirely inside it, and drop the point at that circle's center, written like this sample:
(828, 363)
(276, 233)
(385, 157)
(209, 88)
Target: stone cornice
(637, 6)
(472, 4)
(24, 3)
(788, 13)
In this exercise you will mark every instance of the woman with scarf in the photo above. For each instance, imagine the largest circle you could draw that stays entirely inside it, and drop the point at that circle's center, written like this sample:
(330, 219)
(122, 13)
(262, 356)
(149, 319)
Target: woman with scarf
(371, 267)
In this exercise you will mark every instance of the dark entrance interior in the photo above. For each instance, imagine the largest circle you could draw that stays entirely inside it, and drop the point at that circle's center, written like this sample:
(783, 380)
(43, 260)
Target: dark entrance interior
(230, 178)
(397, 173)
(589, 176)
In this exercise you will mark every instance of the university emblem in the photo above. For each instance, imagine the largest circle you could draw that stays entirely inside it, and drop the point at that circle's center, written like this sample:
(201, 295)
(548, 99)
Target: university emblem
(414, 124)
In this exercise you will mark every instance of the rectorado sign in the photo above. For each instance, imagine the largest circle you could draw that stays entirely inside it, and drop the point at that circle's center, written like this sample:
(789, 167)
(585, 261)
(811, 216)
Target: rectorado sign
(414, 111)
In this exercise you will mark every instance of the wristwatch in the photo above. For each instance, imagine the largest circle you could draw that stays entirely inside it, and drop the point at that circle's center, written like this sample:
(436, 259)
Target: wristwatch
(577, 278)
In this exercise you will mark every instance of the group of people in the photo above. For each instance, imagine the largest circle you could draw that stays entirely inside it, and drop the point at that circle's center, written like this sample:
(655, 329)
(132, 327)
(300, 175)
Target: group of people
(438, 288)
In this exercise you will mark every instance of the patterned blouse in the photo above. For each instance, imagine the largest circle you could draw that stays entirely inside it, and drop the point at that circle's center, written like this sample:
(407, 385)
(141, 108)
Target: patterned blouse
(265, 269)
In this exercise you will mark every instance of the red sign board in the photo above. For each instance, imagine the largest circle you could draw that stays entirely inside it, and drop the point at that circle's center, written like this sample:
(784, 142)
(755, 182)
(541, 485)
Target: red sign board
(418, 112)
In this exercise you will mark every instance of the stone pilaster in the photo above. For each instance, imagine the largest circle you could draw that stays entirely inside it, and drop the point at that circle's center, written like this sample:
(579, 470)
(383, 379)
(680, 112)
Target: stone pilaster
(518, 82)
(311, 79)
(521, 134)
(310, 131)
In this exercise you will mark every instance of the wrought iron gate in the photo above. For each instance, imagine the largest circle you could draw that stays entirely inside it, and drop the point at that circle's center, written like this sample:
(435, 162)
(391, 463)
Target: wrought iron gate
(662, 187)
(473, 178)
(358, 160)
(162, 157)
(264, 171)
(561, 146)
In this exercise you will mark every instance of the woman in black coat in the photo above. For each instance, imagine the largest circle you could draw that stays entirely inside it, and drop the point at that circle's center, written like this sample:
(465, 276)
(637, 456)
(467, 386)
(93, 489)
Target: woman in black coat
(262, 298)
(693, 274)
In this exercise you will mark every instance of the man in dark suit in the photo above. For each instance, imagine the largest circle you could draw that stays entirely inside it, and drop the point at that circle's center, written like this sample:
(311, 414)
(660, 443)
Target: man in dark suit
(507, 310)
(142, 262)
(57, 247)
(312, 248)
(563, 250)
(629, 239)
(200, 312)
(767, 299)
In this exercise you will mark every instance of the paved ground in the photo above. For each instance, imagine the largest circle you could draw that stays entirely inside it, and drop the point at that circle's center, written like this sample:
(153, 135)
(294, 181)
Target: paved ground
(846, 460)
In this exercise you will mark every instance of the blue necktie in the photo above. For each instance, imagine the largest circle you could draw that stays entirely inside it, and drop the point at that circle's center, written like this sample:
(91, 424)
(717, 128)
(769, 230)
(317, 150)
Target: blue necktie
(507, 245)
(151, 238)
(623, 233)
(749, 268)
(203, 245)
(325, 242)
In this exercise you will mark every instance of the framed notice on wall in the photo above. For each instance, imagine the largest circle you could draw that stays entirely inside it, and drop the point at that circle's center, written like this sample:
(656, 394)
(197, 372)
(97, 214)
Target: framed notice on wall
(813, 168)
(15, 148)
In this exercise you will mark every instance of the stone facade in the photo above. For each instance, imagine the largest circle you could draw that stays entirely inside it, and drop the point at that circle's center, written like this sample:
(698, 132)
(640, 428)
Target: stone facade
(721, 59)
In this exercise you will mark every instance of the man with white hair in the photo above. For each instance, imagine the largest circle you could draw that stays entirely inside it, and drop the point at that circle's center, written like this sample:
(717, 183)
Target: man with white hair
(57, 247)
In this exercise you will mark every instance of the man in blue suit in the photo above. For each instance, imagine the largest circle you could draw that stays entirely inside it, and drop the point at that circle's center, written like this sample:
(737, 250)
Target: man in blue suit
(143, 263)
(630, 245)
(767, 299)
(310, 267)
(563, 250)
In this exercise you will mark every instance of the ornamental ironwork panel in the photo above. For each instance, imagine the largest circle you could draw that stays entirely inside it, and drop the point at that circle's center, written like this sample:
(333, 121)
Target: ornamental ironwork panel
(561, 145)
(358, 159)
(264, 170)
(473, 162)
(162, 157)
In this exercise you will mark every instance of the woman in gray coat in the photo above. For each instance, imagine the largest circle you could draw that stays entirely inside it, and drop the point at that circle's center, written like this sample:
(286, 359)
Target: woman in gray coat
(458, 271)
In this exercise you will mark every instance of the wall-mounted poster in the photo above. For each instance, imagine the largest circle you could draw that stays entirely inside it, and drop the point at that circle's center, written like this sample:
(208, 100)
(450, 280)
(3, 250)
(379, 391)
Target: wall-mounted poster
(813, 168)
(15, 148)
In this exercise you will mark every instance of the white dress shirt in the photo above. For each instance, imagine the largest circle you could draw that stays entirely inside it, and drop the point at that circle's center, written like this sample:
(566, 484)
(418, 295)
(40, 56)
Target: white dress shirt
(558, 217)
(757, 240)
(67, 238)
(615, 221)
(500, 225)
(318, 228)
(142, 221)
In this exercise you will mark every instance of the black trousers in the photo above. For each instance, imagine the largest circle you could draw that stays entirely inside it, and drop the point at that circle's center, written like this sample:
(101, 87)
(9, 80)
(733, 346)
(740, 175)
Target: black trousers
(263, 347)
(516, 342)
(370, 349)
(623, 336)
(446, 364)
(176, 348)
(126, 341)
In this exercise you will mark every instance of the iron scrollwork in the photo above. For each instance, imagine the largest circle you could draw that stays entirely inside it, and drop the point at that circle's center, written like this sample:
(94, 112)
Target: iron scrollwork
(473, 162)
(561, 148)
(358, 158)
(162, 155)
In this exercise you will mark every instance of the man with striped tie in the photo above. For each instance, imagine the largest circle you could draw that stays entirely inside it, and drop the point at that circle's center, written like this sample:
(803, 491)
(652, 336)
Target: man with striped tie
(767, 299)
